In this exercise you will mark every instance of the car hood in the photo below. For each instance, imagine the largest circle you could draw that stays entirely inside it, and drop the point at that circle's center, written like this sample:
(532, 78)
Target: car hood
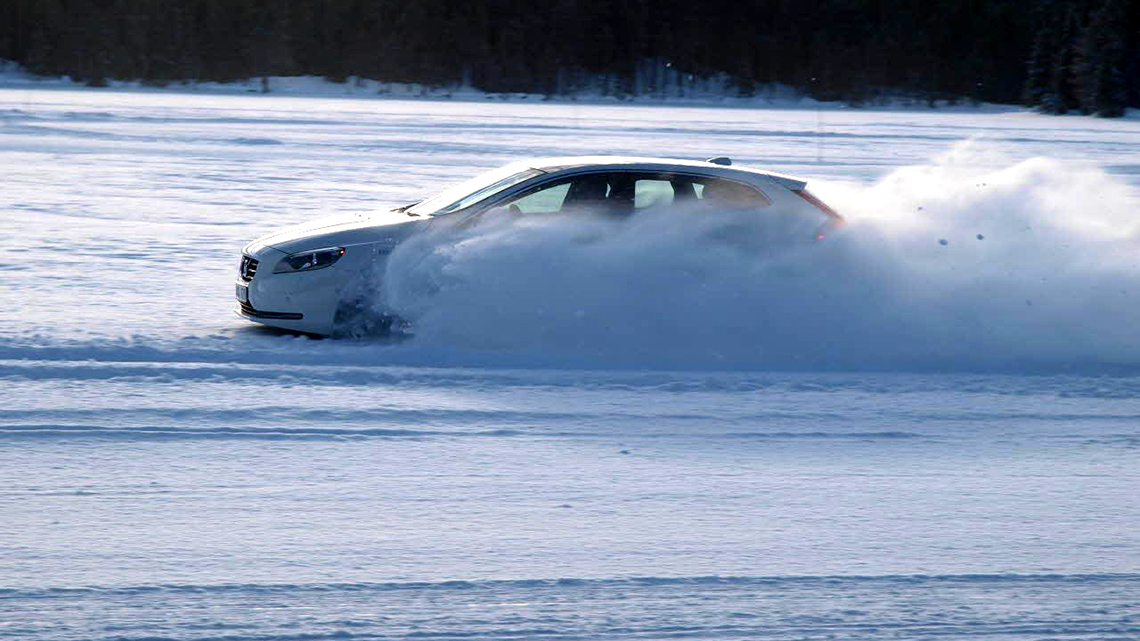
(342, 230)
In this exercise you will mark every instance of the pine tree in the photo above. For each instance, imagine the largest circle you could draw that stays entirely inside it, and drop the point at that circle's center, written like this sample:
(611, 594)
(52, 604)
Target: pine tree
(1099, 66)
(1060, 93)
(1039, 66)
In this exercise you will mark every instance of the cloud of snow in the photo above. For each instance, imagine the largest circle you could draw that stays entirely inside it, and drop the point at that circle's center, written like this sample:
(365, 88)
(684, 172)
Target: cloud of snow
(941, 265)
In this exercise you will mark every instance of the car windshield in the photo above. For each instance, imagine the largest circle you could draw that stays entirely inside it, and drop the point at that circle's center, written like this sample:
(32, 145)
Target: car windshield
(469, 192)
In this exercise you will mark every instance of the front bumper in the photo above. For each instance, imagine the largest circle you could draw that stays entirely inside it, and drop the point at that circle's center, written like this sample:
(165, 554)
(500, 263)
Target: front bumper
(248, 311)
(333, 299)
(299, 301)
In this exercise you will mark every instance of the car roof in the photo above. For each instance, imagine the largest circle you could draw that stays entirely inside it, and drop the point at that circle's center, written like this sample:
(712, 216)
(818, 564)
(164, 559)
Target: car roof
(627, 163)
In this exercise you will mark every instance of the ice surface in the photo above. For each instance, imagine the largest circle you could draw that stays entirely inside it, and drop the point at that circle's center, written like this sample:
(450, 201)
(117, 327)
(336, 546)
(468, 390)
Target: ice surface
(170, 471)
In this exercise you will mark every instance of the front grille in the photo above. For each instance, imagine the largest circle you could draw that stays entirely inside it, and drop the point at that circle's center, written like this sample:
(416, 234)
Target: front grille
(248, 268)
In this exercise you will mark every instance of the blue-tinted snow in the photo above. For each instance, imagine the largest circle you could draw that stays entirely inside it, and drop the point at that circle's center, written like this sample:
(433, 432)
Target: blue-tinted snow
(170, 472)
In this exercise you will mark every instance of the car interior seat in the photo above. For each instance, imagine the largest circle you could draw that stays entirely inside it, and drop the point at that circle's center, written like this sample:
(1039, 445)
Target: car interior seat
(683, 191)
(621, 199)
(587, 191)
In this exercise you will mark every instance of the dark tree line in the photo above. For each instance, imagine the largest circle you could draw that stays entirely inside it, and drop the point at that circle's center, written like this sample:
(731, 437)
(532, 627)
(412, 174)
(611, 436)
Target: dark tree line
(1085, 56)
(1059, 54)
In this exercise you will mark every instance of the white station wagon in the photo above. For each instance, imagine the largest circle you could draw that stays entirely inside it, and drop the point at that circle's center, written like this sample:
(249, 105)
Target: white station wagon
(299, 278)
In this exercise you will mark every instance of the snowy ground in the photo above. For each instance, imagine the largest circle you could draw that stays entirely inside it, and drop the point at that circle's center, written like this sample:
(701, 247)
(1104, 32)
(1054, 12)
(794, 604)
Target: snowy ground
(172, 472)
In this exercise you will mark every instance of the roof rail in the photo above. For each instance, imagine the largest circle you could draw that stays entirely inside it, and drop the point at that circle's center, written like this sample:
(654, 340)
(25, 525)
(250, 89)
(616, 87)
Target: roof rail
(720, 160)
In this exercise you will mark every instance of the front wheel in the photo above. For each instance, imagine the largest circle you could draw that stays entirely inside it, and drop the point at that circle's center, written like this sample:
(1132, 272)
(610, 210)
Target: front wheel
(358, 319)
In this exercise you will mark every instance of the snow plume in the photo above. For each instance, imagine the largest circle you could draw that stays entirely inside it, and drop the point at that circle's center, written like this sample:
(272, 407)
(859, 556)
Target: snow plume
(941, 266)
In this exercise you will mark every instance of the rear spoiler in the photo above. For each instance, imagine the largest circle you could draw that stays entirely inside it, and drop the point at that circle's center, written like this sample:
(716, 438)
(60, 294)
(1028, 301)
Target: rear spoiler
(799, 188)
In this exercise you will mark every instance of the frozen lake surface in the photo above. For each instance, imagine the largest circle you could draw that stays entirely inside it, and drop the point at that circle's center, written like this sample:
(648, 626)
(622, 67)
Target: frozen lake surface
(967, 471)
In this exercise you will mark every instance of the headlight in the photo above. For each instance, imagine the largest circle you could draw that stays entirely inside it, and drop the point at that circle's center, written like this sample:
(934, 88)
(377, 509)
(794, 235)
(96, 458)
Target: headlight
(308, 261)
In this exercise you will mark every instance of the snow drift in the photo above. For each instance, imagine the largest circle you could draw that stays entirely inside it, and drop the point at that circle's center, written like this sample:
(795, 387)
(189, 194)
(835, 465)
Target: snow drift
(941, 265)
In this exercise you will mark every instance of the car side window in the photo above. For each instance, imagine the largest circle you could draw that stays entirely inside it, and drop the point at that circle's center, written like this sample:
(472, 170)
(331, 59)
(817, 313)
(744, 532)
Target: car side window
(713, 191)
(583, 192)
(652, 192)
(612, 193)
(622, 193)
(546, 200)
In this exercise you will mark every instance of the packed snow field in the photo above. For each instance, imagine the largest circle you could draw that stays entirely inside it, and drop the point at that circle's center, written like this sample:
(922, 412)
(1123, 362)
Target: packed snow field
(922, 427)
